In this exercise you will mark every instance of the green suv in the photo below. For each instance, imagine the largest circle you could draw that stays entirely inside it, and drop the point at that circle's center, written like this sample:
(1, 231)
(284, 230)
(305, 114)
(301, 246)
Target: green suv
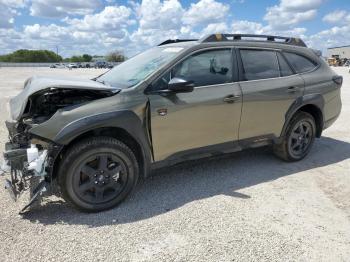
(92, 140)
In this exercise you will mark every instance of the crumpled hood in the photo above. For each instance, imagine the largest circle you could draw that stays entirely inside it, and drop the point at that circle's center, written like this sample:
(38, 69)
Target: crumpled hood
(35, 84)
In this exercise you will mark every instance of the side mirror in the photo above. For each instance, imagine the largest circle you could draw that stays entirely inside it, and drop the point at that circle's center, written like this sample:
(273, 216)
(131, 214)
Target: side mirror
(180, 85)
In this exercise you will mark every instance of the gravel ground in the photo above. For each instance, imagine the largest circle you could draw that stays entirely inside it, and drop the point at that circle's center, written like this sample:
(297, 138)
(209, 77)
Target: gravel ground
(247, 206)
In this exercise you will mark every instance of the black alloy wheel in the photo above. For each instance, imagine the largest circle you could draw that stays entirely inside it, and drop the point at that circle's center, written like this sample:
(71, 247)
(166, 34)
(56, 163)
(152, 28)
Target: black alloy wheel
(98, 173)
(100, 178)
(298, 139)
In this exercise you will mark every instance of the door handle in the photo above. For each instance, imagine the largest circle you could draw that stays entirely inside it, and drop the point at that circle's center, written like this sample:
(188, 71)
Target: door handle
(293, 89)
(231, 98)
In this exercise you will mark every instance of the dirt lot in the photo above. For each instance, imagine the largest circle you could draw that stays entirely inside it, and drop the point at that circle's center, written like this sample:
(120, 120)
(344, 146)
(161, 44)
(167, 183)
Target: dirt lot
(247, 206)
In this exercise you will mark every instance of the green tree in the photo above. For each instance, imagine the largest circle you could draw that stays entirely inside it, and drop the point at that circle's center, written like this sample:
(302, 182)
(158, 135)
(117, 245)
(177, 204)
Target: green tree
(116, 56)
(87, 58)
(77, 59)
(31, 56)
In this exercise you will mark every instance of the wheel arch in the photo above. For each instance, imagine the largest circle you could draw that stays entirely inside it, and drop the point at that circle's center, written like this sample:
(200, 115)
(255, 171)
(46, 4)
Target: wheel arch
(125, 126)
(317, 115)
(312, 104)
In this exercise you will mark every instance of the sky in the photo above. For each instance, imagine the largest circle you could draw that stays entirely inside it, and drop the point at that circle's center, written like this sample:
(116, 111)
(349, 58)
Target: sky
(100, 26)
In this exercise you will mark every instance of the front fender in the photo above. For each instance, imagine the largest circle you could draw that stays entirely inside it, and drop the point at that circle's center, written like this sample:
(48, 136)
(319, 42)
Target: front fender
(123, 119)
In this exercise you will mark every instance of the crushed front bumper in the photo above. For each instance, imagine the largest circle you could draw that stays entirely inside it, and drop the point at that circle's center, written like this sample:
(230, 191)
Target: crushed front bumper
(34, 175)
(21, 174)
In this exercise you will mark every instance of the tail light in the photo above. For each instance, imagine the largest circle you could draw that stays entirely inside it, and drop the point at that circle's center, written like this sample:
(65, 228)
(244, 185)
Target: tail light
(338, 80)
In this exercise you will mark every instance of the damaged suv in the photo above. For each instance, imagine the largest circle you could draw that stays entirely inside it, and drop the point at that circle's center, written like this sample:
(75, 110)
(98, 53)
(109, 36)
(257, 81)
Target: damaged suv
(184, 99)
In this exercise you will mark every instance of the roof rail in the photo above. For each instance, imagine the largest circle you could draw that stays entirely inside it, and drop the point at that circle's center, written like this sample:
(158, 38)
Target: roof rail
(238, 37)
(172, 41)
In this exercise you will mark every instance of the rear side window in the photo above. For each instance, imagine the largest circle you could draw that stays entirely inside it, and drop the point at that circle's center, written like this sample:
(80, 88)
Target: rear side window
(259, 64)
(285, 68)
(300, 63)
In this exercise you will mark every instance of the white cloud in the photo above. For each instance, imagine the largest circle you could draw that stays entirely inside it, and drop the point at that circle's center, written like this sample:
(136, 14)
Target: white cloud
(13, 3)
(6, 16)
(8, 12)
(165, 15)
(300, 5)
(47, 32)
(137, 25)
(335, 36)
(111, 18)
(205, 11)
(215, 28)
(338, 16)
(247, 27)
(291, 13)
(60, 8)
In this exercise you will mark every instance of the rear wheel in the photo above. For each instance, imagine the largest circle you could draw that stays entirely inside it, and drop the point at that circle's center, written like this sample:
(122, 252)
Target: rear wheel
(98, 173)
(300, 135)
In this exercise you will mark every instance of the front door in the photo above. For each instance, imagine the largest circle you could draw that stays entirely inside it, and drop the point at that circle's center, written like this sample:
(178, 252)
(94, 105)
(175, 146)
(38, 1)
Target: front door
(209, 115)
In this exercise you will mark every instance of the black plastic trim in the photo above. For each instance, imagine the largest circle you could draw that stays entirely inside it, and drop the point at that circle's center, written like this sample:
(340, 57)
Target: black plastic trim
(310, 99)
(215, 150)
(125, 119)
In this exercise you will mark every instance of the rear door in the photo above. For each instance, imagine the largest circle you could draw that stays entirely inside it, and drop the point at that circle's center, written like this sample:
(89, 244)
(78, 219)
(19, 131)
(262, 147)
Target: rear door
(269, 87)
(207, 116)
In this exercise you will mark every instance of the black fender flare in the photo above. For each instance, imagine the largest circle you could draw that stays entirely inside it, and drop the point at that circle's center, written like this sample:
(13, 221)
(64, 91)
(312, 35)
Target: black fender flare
(309, 99)
(123, 119)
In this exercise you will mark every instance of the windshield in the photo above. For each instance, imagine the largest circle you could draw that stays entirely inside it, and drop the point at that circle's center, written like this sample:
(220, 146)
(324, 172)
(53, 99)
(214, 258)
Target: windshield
(137, 68)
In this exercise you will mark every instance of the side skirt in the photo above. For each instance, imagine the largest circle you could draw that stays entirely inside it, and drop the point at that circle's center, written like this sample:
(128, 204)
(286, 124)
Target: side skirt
(215, 150)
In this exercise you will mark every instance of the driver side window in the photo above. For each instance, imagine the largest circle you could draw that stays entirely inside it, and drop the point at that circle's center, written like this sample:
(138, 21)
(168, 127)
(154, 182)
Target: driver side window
(204, 68)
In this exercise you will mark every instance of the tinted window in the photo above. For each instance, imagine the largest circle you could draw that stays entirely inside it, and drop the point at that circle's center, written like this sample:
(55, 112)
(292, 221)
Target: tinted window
(206, 68)
(162, 82)
(259, 64)
(300, 63)
(284, 67)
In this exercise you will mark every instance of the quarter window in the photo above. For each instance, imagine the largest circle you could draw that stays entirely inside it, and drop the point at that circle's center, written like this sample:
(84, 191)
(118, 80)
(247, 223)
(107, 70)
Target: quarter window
(285, 68)
(300, 63)
(206, 68)
(259, 64)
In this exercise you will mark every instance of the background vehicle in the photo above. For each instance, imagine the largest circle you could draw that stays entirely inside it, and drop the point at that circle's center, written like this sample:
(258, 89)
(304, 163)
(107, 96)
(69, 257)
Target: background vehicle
(181, 100)
(58, 66)
(72, 65)
(101, 65)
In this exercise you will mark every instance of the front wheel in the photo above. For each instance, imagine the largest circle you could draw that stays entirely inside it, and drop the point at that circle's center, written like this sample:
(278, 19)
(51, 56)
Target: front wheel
(300, 135)
(98, 173)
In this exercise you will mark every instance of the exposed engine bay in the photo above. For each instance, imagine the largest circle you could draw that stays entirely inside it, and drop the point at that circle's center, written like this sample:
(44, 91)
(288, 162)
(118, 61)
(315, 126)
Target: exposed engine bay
(42, 105)
(28, 159)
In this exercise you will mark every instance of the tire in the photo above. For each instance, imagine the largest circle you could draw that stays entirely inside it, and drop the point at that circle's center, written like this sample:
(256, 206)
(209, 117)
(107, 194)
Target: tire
(97, 174)
(296, 144)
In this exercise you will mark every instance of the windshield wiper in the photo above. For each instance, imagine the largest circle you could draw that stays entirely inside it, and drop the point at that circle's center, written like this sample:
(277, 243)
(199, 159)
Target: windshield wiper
(101, 81)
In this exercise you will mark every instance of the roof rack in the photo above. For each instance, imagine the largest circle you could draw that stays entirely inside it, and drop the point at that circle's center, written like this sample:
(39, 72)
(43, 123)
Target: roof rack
(251, 37)
(172, 41)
